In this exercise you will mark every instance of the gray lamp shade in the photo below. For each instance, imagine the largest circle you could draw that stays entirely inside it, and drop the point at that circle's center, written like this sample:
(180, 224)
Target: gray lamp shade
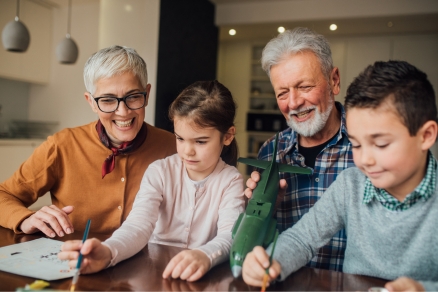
(67, 51)
(15, 36)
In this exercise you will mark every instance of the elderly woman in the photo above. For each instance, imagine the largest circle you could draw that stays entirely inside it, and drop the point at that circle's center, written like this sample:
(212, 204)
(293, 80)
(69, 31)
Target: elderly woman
(93, 171)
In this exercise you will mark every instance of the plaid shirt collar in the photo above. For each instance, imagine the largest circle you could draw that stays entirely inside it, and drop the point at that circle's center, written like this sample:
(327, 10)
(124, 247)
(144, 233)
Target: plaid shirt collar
(291, 142)
(424, 190)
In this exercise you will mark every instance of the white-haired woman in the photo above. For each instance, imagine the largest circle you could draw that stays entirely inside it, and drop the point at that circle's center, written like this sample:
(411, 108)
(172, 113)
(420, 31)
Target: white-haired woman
(92, 171)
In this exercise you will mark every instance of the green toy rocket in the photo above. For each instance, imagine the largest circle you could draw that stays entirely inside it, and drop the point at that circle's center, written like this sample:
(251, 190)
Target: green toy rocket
(256, 226)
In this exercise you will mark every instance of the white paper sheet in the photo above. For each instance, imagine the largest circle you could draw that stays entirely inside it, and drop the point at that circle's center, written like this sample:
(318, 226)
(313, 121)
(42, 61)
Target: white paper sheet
(37, 259)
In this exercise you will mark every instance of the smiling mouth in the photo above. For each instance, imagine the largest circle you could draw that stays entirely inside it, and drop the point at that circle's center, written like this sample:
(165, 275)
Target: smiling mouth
(374, 173)
(303, 114)
(124, 124)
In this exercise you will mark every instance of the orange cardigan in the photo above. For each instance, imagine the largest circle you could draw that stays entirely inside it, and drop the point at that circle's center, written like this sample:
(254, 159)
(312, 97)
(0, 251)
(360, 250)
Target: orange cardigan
(68, 165)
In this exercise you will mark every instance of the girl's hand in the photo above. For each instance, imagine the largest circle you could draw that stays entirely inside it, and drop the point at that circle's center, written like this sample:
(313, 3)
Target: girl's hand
(404, 284)
(188, 265)
(255, 265)
(95, 255)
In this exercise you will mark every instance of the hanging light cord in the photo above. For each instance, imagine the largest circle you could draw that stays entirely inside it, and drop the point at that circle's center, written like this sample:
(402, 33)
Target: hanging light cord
(18, 11)
(69, 18)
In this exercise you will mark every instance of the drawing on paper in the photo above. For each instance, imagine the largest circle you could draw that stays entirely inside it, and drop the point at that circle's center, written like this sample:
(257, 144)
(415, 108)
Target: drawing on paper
(37, 258)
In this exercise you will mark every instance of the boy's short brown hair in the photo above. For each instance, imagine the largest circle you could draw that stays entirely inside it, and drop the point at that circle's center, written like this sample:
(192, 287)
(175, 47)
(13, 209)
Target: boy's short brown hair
(399, 83)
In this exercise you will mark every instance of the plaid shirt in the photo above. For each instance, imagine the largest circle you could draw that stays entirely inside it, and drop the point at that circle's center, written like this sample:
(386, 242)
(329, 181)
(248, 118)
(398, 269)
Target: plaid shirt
(304, 190)
(423, 192)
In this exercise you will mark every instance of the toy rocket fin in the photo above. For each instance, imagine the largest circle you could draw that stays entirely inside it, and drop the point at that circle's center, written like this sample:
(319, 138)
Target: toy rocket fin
(293, 169)
(263, 164)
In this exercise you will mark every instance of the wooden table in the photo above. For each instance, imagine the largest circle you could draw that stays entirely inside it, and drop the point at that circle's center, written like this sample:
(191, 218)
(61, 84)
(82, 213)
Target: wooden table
(143, 272)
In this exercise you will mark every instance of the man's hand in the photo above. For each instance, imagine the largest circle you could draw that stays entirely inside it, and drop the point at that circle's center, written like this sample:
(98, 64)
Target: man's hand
(49, 220)
(188, 265)
(404, 284)
(255, 265)
(95, 255)
(251, 184)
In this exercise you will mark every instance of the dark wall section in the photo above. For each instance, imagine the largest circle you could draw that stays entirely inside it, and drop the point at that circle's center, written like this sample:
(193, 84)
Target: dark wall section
(187, 51)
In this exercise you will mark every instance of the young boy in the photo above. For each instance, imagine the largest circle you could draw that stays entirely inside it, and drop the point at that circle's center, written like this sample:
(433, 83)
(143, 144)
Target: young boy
(388, 203)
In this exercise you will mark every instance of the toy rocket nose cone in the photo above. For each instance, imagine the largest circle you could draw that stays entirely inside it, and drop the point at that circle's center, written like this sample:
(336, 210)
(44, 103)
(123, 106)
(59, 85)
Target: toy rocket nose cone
(237, 271)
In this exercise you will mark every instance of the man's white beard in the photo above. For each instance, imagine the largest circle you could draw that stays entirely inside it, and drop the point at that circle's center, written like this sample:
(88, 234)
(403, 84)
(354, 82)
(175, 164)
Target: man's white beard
(312, 126)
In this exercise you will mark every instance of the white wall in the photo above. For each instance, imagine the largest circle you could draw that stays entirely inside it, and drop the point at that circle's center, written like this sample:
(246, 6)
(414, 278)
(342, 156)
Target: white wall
(353, 54)
(62, 99)
(95, 24)
(134, 23)
(29, 66)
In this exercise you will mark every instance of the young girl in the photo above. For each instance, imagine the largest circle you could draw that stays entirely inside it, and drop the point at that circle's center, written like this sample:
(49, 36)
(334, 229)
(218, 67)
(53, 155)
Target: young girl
(190, 199)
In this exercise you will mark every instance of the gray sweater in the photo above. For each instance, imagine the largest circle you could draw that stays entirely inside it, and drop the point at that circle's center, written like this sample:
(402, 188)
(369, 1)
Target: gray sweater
(380, 243)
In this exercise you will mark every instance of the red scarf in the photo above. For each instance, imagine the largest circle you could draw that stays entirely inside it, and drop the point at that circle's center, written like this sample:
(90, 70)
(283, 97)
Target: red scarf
(125, 148)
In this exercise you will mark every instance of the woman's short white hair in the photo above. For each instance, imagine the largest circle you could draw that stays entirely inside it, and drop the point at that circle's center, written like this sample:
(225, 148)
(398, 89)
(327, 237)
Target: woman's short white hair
(297, 40)
(113, 61)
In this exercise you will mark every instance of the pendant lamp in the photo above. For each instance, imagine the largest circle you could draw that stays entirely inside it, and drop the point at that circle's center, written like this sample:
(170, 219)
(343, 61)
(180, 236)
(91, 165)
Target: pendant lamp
(67, 51)
(15, 35)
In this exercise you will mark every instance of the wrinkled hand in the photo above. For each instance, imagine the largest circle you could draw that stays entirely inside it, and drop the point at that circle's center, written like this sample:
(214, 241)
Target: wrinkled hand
(95, 255)
(251, 184)
(404, 284)
(255, 265)
(188, 265)
(49, 220)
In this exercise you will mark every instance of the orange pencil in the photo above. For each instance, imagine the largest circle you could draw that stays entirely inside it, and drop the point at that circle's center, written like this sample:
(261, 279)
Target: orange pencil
(265, 281)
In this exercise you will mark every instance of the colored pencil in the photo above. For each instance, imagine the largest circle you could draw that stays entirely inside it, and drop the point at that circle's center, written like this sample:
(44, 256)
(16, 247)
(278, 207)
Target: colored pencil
(78, 265)
(266, 275)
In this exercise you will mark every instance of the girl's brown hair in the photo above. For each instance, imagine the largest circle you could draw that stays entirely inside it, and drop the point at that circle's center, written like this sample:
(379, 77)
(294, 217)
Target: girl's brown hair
(208, 104)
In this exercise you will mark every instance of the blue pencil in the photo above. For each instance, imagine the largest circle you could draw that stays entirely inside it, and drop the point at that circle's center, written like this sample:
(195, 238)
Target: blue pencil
(78, 265)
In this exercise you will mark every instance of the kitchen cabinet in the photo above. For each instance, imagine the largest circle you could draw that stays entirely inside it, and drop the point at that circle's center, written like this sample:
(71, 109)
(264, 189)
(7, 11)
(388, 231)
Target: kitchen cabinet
(13, 152)
(34, 64)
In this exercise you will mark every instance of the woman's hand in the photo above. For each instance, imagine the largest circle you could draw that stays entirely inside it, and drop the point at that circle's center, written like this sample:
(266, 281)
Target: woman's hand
(50, 220)
(95, 255)
(188, 265)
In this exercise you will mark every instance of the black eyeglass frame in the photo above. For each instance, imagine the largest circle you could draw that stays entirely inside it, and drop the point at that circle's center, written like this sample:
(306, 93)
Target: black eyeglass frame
(119, 99)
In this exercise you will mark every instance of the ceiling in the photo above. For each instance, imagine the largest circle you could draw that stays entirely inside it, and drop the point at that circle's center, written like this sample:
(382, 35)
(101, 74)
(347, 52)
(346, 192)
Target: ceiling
(400, 24)
(405, 24)
(427, 23)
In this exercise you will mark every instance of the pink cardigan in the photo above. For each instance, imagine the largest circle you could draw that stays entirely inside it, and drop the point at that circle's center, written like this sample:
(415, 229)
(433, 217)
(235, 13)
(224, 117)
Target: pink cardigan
(170, 210)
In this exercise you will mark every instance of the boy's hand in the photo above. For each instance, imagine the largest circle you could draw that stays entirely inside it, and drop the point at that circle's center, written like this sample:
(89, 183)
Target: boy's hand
(188, 265)
(50, 220)
(251, 184)
(404, 284)
(95, 255)
(255, 265)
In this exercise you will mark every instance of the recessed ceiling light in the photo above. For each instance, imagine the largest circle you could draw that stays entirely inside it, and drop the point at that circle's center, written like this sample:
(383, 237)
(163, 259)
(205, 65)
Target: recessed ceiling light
(232, 31)
(333, 27)
(390, 24)
(128, 8)
(281, 29)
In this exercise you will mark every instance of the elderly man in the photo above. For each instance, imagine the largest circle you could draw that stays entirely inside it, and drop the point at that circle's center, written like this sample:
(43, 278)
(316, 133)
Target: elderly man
(93, 171)
(305, 83)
